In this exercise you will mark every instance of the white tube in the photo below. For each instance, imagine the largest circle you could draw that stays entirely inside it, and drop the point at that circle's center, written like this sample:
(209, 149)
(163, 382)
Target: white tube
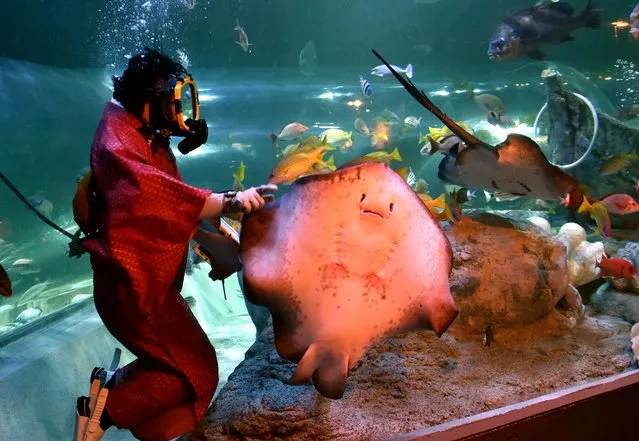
(595, 119)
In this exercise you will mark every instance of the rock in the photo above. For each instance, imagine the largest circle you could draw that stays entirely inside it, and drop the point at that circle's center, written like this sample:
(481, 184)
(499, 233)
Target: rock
(582, 255)
(571, 235)
(541, 223)
(612, 246)
(489, 288)
(573, 306)
(413, 381)
(611, 302)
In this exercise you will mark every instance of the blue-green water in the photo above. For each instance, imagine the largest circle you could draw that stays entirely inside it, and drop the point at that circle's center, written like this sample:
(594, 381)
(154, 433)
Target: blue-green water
(48, 115)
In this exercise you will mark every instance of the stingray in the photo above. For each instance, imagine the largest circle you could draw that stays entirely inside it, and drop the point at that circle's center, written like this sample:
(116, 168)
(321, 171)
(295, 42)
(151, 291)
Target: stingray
(517, 166)
(342, 260)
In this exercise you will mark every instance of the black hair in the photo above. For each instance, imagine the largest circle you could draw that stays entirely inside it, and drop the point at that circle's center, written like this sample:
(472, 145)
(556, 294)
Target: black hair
(138, 82)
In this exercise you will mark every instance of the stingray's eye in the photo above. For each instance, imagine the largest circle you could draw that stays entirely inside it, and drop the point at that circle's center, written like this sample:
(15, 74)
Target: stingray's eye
(391, 206)
(363, 196)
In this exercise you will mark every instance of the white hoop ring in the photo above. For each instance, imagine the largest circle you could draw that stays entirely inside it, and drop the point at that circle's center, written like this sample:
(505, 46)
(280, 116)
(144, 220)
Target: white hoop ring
(595, 131)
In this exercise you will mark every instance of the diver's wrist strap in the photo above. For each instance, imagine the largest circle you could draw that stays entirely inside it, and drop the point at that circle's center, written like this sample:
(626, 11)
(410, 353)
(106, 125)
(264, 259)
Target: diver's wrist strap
(229, 202)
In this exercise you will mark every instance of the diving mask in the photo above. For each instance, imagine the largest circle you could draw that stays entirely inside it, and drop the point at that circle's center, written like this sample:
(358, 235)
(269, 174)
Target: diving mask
(175, 111)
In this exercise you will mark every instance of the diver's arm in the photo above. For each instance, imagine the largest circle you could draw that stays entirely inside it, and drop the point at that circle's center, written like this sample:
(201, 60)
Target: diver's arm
(213, 206)
(219, 204)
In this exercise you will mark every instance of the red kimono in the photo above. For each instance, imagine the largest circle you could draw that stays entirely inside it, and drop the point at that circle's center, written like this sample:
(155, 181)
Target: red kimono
(145, 216)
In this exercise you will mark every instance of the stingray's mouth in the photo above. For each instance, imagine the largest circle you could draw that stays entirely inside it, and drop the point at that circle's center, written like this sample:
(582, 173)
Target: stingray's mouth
(374, 213)
(374, 208)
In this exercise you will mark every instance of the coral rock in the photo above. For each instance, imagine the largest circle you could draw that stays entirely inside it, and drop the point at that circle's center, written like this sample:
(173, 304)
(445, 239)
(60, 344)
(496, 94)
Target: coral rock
(614, 303)
(516, 273)
(582, 255)
(541, 223)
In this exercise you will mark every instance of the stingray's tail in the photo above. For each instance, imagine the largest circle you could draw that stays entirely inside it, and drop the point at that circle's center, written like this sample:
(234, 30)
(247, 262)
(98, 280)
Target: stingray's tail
(327, 366)
(421, 98)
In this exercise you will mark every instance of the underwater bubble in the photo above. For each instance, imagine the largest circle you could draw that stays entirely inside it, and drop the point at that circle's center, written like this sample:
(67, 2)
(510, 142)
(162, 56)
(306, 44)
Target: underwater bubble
(125, 27)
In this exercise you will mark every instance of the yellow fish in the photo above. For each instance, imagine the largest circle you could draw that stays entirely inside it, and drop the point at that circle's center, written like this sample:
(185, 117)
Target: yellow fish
(307, 144)
(437, 207)
(338, 138)
(421, 186)
(325, 167)
(437, 134)
(423, 139)
(288, 150)
(599, 214)
(312, 142)
(618, 163)
(238, 177)
(298, 164)
(376, 157)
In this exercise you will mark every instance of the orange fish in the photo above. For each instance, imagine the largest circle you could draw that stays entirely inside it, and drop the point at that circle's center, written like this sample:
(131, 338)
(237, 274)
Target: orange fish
(437, 207)
(620, 204)
(616, 268)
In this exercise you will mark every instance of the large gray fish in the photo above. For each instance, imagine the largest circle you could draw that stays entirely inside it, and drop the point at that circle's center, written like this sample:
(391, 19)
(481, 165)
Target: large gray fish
(548, 23)
(517, 166)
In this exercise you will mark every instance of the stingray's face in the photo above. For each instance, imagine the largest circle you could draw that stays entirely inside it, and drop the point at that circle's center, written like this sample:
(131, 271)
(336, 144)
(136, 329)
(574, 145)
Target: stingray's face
(370, 224)
(375, 208)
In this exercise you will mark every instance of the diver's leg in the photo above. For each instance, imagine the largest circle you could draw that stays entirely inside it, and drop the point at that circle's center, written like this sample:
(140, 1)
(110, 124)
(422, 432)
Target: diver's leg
(145, 392)
(167, 425)
(176, 366)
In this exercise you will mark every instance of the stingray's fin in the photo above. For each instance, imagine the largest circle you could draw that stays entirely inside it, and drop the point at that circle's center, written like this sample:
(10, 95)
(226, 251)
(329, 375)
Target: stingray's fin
(327, 366)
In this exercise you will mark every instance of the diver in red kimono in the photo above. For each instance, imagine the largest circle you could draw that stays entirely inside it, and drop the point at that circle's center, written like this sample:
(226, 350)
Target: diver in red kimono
(140, 219)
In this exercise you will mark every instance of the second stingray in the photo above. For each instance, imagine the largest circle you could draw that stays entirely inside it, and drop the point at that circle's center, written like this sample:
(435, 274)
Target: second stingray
(516, 166)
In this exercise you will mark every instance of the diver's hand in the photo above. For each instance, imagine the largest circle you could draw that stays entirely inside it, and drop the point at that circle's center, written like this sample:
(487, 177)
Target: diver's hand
(252, 198)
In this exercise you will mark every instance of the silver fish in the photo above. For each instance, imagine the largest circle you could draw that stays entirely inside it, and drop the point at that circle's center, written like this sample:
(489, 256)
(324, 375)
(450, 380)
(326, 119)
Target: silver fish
(383, 71)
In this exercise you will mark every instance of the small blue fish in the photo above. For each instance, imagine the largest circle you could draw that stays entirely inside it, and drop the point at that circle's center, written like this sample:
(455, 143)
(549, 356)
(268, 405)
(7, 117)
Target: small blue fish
(367, 89)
